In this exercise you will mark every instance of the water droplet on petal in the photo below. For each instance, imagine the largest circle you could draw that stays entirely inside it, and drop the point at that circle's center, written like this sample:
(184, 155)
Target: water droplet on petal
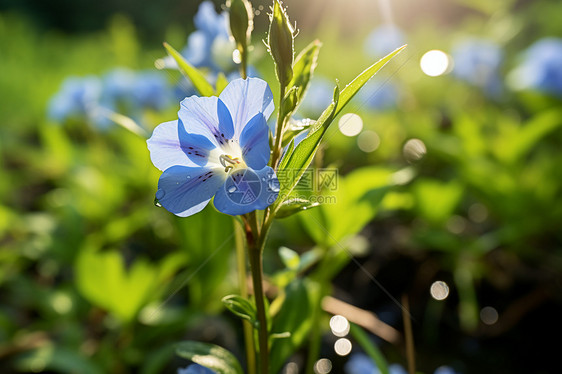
(189, 177)
(157, 203)
(231, 189)
(160, 194)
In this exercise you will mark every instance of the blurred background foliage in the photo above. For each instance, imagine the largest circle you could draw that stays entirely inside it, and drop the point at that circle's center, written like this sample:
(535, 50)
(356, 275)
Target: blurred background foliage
(448, 180)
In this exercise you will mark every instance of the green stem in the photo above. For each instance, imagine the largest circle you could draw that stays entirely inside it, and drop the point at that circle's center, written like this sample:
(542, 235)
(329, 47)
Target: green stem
(247, 326)
(256, 267)
(243, 62)
(279, 130)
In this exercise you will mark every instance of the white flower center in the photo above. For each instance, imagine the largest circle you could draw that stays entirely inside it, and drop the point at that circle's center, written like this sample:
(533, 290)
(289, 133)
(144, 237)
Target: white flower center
(229, 156)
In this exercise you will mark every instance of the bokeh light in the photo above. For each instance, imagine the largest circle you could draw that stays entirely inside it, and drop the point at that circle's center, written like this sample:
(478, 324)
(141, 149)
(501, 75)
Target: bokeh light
(339, 325)
(489, 315)
(342, 346)
(368, 141)
(350, 124)
(414, 150)
(323, 366)
(435, 63)
(439, 290)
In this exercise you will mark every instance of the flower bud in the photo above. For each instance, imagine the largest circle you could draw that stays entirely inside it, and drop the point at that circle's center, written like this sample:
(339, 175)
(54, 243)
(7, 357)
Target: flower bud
(241, 20)
(280, 42)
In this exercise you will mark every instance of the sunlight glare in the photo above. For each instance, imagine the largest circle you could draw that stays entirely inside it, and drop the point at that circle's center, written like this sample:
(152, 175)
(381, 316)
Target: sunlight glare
(435, 63)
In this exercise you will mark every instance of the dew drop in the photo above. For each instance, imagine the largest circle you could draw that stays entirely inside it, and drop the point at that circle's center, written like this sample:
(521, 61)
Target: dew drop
(189, 177)
(160, 194)
(231, 189)
(157, 203)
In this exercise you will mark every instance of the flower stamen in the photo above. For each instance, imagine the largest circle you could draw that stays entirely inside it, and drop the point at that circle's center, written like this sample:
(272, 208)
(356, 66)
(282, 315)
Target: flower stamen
(224, 159)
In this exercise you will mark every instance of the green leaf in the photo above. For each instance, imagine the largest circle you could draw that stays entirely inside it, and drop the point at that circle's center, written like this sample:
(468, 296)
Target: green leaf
(289, 257)
(301, 157)
(294, 128)
(370, 349)
(436, 200)
(241, 308)
(303, 154)
(294, 205)
(211, 356)
(191, 72)
(304, 67)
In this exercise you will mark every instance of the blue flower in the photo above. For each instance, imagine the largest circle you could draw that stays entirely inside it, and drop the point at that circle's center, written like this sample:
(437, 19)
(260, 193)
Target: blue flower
(151, 90)
(383, 40)
(78, 98)
(444, 370)
(478, 62)
(219, 146)
(541, 68)
(195, 369)
(128, 91)
(210, 45)
(360, 363)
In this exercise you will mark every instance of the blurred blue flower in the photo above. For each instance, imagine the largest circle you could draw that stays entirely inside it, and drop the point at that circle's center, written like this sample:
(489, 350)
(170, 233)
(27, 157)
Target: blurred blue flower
(118, 86)
(219, 146)
(360, 363)
(317, 98)
(383, 40)
(478, 62)
(130, 91)
(77, 97)
(151, 90)
(195, 369)
(210, 45)
(379, 94)
(444, 370)
(541, 68)
(120, 90)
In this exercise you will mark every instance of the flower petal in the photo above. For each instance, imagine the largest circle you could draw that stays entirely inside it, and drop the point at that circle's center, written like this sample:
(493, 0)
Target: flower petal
(187, 190)
(226, 126)
(200, 116)
(171, 145)
(247, 190)
(254, 141)
(245, 98)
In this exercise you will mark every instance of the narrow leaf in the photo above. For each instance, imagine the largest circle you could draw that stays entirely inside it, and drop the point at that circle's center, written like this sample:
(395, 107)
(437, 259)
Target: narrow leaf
(211, 356)
(292, 206)
(289, 257)
(240, 307)
(302, 155)
(370, 348)
(294, 128)
(191, 72)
